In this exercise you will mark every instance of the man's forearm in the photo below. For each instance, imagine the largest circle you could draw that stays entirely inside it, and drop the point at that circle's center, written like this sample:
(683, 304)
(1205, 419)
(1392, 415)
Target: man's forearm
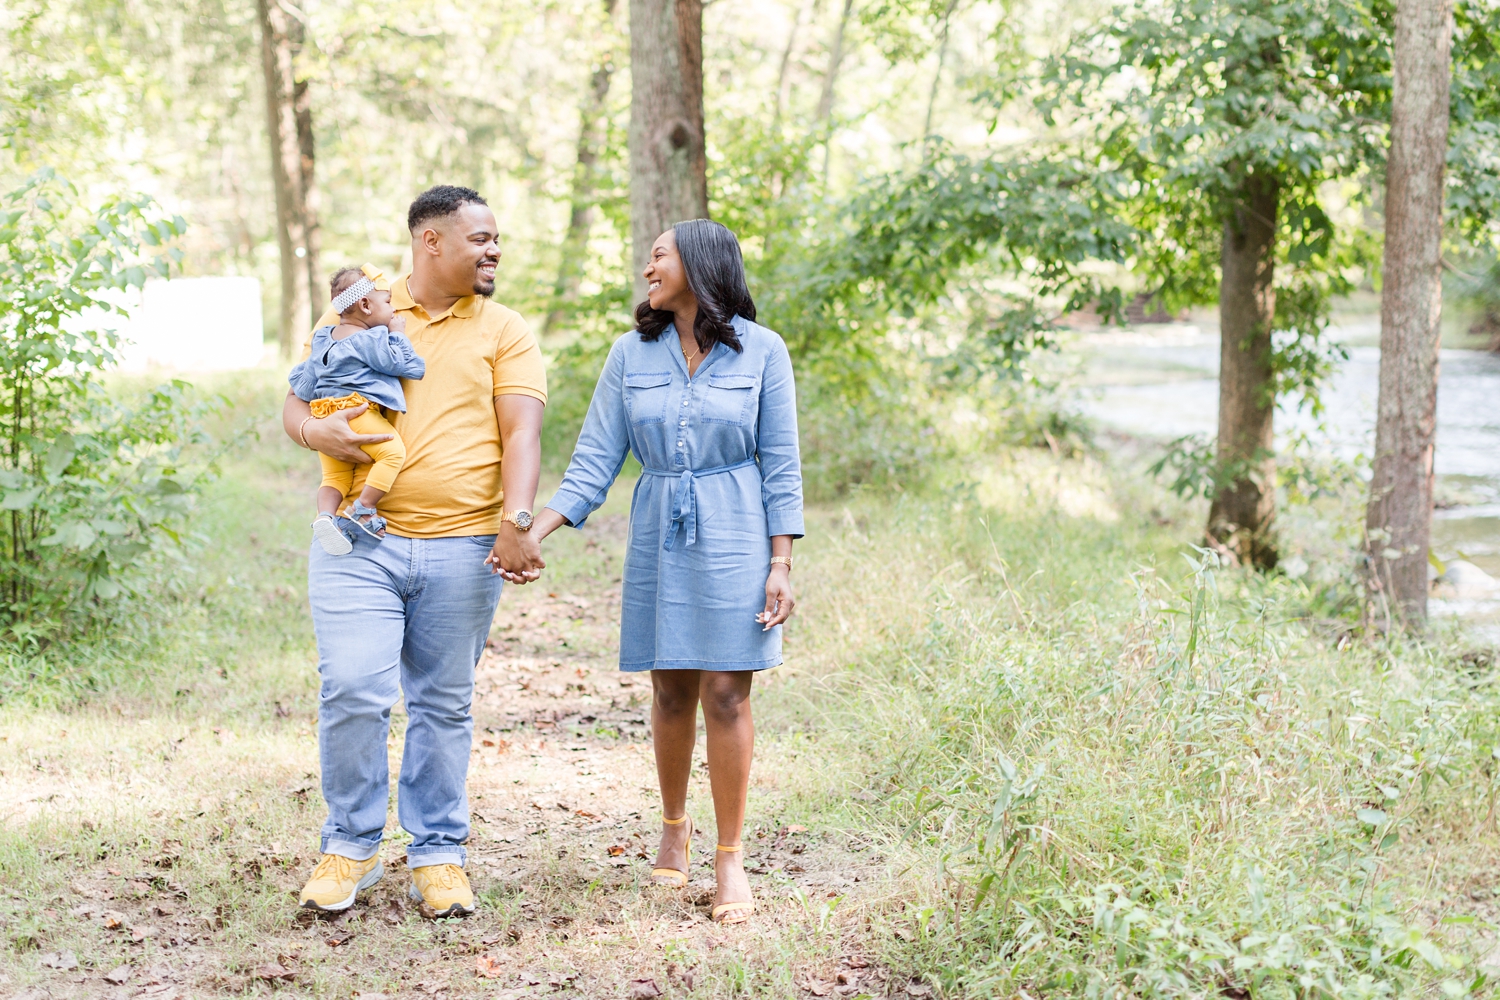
(520, 470)
(520, 419)
(293, 412)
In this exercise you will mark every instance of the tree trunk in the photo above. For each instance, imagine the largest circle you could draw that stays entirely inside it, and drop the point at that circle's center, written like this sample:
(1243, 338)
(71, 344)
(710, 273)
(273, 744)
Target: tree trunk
(830, 82)
(1398, 520)
(591, 124)
(1241, 516)
(312, 233)
(289, 130)
(937, 78)
(668, 162)
(784, 72)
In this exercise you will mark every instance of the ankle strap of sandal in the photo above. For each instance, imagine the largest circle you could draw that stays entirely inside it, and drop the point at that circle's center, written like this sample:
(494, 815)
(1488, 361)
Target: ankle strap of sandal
(674, 822)
(729, 850)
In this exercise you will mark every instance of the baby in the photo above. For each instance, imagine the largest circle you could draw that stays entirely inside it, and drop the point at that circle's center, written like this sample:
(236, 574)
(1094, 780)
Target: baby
(360, 361)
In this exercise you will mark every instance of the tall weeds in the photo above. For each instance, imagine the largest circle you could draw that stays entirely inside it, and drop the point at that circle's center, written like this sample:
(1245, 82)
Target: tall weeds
(1137, 774)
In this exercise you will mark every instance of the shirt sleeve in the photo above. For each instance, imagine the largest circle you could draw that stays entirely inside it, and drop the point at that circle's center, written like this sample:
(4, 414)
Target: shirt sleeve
(329, 318)
(389, 353)
(602, 446)
(518, 362)
(776, 445)
(304, 381)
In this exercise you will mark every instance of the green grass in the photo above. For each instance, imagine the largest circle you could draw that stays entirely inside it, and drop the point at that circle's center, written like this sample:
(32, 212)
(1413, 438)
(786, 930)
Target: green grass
(1132, 773)
(1070, 755)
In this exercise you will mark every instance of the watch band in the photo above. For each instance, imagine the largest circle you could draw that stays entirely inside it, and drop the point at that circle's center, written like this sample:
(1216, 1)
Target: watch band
(783, 560)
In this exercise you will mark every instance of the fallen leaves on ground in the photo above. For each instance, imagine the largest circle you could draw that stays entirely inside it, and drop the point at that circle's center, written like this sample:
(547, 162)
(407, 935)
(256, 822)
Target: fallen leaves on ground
(488, 968)
(644, 989)
(916, 989)
(120, 975)
(273, 971)
(64, 960)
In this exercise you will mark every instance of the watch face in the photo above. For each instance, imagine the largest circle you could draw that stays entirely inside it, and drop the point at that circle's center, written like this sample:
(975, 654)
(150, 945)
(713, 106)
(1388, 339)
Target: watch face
(522, 519)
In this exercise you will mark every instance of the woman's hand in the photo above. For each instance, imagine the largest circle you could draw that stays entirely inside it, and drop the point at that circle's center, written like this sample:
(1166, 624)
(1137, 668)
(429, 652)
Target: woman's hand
(779, 602)
(332, 436)
(516, 555)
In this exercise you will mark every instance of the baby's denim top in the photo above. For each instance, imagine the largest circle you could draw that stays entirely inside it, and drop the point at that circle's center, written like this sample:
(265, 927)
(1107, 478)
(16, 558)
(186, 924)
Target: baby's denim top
(371, 362)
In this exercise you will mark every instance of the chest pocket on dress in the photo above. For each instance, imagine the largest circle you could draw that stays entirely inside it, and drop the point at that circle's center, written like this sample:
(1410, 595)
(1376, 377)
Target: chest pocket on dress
(731, 398)
(646, 396)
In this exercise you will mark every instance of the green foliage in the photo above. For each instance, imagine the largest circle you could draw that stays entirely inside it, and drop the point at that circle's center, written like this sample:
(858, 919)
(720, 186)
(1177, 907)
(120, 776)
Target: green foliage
(88, 484)
(1131, 780)
(1189, 100)
(1474, 134)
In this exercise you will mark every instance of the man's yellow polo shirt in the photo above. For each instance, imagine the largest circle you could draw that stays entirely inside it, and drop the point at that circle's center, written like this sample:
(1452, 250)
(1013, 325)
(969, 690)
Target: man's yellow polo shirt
(475, 351)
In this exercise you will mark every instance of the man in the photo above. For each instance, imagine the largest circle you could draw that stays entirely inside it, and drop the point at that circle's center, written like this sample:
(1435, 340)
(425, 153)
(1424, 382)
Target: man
(409, 614)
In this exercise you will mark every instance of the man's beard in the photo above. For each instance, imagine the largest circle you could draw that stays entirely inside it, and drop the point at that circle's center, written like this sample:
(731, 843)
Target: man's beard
(484, 288)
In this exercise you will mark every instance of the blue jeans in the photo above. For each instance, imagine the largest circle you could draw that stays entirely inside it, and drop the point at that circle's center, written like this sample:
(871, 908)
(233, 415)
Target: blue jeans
(403, 615)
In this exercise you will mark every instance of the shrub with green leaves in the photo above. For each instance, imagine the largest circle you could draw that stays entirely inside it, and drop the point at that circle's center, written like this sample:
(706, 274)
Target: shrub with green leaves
(89, 485)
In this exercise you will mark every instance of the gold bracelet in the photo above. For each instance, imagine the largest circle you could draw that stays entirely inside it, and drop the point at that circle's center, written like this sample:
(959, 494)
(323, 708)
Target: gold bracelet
(783, 560)
(302, 431)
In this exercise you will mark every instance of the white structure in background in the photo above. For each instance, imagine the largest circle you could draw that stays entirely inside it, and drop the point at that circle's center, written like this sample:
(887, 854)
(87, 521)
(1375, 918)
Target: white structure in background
(195, 325)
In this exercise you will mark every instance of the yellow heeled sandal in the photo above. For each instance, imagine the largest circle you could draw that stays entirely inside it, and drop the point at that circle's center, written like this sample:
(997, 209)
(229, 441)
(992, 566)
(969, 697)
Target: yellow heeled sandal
(732, 913)
(671, 877)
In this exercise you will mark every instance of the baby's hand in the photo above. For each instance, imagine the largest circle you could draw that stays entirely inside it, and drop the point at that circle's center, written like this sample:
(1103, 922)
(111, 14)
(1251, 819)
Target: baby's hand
(398, 325)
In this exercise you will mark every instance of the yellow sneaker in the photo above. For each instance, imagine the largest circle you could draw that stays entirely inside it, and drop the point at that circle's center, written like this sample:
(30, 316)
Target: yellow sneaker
(443, 891)
(337, 880)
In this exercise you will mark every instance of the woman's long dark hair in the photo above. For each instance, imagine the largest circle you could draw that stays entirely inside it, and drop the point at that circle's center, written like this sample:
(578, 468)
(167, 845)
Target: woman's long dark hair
(716, 276)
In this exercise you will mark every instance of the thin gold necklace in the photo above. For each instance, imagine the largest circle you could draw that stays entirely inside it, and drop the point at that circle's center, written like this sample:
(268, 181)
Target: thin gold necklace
(688, 358)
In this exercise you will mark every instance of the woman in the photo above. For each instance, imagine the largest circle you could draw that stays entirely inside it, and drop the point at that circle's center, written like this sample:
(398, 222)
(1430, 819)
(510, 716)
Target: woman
(704, 398)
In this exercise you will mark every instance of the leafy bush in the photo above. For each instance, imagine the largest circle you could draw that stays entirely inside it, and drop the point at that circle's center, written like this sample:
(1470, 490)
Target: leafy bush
(885, 338)
(89, 485)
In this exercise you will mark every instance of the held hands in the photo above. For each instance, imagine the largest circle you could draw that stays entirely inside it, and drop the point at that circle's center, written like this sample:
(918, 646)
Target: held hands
(332, 436)
(516, 555)
(779, 601)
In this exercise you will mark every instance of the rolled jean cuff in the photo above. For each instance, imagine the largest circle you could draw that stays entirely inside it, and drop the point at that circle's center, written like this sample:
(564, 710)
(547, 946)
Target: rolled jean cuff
(426, 857)
(354, 850)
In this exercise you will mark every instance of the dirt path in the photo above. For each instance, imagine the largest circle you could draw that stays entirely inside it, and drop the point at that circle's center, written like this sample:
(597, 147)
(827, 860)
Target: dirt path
(564, 802)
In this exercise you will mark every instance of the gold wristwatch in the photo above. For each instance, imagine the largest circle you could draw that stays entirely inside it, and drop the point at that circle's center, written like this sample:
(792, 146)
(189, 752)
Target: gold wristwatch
(521, 519)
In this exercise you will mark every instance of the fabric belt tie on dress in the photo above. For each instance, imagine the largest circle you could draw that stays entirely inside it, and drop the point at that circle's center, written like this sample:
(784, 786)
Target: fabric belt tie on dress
(685, 500)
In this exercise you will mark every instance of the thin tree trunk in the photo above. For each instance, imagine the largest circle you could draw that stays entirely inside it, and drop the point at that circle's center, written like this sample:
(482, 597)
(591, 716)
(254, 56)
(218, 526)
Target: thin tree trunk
(668, 161)
(937, 78)
(830, 81)
(784, 73)
(289, 131)
(1244, 508)
(591, 126)
(1398, 520)
(312, 233)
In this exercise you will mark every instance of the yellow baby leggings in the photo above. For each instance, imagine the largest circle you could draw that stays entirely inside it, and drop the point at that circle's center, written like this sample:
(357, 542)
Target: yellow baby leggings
(388, 456)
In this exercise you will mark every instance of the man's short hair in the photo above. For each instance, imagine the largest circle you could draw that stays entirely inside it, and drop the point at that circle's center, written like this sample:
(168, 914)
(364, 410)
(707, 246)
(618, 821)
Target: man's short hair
(440, 202)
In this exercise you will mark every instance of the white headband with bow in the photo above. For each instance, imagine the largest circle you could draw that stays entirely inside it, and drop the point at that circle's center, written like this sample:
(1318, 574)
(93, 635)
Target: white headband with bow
(343, 300)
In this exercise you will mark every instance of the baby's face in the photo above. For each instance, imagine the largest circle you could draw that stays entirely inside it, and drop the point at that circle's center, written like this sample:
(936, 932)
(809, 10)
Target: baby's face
(380, 313)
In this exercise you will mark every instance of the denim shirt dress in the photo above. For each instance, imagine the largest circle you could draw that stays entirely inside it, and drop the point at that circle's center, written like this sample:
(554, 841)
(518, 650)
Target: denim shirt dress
(720, 476)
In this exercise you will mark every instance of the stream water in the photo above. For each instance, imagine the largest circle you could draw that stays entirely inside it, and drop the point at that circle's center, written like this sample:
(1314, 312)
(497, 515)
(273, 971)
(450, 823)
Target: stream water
(1163, 382)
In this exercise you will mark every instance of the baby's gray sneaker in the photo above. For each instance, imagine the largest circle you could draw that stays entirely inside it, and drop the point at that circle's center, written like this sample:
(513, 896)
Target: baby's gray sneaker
(326, 531)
